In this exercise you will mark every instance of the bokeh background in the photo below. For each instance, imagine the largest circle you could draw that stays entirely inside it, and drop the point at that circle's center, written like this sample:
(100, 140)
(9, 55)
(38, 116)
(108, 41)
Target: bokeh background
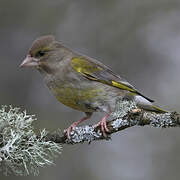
(139, 39)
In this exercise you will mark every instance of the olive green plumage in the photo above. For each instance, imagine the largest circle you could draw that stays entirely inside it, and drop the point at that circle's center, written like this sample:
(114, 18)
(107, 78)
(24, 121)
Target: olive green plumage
(81, 82)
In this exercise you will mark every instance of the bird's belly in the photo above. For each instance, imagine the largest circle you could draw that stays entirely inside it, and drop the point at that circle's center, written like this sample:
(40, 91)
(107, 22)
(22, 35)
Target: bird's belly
(88, 96)
(81, 99)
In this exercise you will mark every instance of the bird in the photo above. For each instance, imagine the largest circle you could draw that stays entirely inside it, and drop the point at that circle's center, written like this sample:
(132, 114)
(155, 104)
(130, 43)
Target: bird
(81, 82)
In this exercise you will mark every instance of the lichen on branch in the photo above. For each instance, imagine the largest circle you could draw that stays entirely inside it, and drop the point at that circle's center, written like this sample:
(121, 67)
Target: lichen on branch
(21, 151)
(126, 115)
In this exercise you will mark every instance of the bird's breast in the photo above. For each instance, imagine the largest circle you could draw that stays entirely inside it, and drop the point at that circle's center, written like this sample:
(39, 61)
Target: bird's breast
(76, 96)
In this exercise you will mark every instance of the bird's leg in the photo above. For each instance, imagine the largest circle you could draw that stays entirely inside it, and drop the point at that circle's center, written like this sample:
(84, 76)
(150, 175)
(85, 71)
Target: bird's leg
(103, 124)
(73, 125)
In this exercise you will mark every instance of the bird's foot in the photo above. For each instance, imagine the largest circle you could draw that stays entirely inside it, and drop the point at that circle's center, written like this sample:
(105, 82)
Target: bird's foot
(103, 125)
(73, 125)
(68, 130)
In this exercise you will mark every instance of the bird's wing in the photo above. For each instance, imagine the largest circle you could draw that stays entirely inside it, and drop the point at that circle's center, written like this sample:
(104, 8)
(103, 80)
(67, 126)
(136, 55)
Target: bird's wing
(96, 71)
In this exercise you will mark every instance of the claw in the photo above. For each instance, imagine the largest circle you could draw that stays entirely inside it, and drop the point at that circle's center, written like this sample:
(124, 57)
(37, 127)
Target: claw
(68, 130)
(103, 125)
(72, 126)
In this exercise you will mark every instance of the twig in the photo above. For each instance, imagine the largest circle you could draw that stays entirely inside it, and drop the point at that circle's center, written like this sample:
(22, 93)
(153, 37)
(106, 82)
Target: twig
(22, 151)
(130, 119)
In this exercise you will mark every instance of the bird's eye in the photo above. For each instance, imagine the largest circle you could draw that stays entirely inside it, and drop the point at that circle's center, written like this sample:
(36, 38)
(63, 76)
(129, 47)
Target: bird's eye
(40, 53)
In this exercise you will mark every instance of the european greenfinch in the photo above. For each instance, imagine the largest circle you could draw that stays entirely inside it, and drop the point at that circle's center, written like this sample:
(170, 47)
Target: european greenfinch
(81, 82)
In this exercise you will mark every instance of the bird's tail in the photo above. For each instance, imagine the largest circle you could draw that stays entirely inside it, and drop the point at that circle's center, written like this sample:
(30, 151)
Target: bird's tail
(147, 105)
(158, 109)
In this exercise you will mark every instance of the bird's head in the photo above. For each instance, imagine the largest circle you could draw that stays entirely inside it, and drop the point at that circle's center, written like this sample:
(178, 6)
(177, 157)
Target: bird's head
(44, 54)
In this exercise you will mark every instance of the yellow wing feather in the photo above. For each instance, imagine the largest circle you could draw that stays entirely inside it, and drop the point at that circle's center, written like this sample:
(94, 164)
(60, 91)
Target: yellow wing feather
(96, 71)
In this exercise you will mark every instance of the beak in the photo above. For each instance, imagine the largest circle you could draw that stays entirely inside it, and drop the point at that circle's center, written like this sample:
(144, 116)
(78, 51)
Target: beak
(29, 62)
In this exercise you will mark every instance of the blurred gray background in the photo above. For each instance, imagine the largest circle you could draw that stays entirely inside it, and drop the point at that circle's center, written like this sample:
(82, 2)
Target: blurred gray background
(139, 39)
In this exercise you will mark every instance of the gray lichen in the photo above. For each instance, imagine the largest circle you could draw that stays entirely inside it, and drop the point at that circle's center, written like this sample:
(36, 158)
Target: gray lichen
(162, 120)
(21, 151)
(126, 115)
(86, 133)
(122, 108)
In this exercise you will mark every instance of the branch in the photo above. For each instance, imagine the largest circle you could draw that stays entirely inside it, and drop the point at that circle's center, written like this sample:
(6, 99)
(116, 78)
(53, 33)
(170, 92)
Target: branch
(22, 151)
(135, 117)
